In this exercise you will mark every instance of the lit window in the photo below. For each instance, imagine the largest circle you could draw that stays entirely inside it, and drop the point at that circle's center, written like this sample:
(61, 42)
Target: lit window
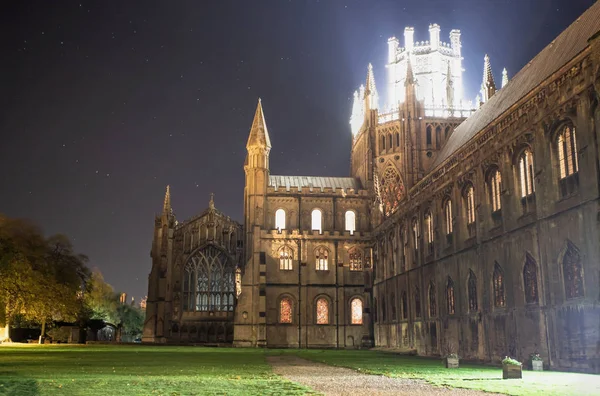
(322, 311)
(429, 227)
(495, 189)
(415, 228)
(567, 161)
(316, 218)
(526, 173)
(280, 219)
(448, 216)
(285, 310)
(285, 258)
(470, 201)
(356, 260)
(321, 258)
(356, 308)
(350, 221)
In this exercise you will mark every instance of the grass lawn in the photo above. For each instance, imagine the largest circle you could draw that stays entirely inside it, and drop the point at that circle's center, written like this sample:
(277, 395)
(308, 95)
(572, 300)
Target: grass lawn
(467, 376)
(138, 370)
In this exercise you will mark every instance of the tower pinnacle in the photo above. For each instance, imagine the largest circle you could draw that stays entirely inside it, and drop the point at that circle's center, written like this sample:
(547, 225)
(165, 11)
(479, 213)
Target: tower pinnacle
(488, 86)
(371, 90)
(259, 135)
(211, 203)
(167, 203)
(504, 77)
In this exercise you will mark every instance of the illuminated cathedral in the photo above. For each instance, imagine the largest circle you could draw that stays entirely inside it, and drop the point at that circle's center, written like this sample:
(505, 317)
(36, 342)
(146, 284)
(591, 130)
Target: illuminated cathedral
(464, 227)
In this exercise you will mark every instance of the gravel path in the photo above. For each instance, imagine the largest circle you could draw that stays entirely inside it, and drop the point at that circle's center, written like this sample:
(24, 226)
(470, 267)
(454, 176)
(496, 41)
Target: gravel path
(331, 380)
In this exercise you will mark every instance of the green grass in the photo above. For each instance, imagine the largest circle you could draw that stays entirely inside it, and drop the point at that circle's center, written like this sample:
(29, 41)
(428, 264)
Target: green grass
(138, 370)
(486, 378)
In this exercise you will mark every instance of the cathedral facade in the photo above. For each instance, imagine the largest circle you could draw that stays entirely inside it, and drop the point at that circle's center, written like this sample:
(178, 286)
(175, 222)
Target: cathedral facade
(464, 227)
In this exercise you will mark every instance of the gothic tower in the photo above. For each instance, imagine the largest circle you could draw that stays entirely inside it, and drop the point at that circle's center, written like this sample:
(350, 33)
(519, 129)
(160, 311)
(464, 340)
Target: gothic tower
(250, 324)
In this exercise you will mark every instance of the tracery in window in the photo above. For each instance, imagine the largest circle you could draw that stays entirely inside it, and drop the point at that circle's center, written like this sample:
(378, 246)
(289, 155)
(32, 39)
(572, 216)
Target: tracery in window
(209, 281)
(356, 309)
(495, 184)
(429, 231)
(470, 204)
(572, 272)
(448, 216)
(316, 220)
(530, 280)
(432, 301)
(280, 219)
(472, 291)
(567, 160)
(404, 304)
(285, 310)
(526, 173)
(392, 190)
(350, 218)
(498, 280)
(450, 296)
(417, 303)
(322, 311)
(321, 256)
(286, 255)
(356, 260)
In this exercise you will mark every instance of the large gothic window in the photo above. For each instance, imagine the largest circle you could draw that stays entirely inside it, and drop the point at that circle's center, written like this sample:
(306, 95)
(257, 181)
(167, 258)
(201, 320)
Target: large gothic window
(429, 232)
(417, 303)
(566, 146)
(286, 256)
(530, 280)
(448, 216)
(321, 257)
(450, 296)
(356, 260)
(525, 164)
(472, 291)
(209, 281)
(495, 187)
(392, 190)
(350, 218)
(498, 281)
(356, 310)
(572, 272)
(322, 311)
(432, 301)
(280, 219)
(316, 220)
(286, 310)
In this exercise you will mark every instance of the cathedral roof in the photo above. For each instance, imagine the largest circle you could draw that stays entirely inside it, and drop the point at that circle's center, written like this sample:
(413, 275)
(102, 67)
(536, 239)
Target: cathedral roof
(311, 182)
(555, 55)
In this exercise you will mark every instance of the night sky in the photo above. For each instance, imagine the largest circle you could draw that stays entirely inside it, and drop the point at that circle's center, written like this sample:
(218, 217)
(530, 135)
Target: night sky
(105, 103)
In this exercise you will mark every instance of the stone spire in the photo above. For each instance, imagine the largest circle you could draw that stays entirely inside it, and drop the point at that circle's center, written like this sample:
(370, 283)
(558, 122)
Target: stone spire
(371, 95)
(259, 135)
(504, 77)
(410, 77)
(488, 86)
(167, 203)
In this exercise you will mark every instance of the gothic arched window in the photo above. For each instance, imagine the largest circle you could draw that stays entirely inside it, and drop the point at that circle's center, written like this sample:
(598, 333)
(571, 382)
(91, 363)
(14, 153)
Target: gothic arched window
(429, 235)
(438, 136)
(450, 296)
(280, 219)
(428, 138)
(356, 310)
(316, 220)
(572, 272)
(498, 280)
(286, 256)
(209, 281)
(448, 216)
(530, 280)
(566, 145)
(527, 186)
(404, 304)
(390, 141)
(286, 310)
(495, 188)
(470, 204)
(397, 139)
(417, 303)
(472, 291)
(350, 218)
(432, 301)
(322, 307)
(356, 260)
(321, 256)
(382, 142)
(392, 190)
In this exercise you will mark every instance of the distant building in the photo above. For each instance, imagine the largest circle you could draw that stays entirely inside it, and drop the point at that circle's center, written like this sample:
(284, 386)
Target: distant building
(461, 225)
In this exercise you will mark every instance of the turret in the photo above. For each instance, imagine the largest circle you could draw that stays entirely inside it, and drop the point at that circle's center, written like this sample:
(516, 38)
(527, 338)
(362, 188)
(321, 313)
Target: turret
(434, 36)
(488, 86)
(371, 95)
(409, 39)
(455, 42)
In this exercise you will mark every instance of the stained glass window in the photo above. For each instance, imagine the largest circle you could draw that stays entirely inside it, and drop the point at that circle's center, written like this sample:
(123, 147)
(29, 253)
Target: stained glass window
(285, 258)
(499, 296)
(450, 296)
(322, 311)
(567, 152)
(573, 273)
(432, 301)
(495, 190)
(356, 308)
(530, 280)
(321, 259)
(472, 290)
(356, 260)
(392, 190)
(526, 173)
(285, 310)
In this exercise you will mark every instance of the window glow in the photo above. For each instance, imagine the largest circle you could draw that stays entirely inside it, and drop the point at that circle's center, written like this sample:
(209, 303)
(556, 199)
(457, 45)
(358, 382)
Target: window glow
(448, 216)
(316, 218)
(350, 221)
(285, 310)
(355, 260)
(285, 258)
(495, 189)
(321, 259)
(429, 227)
(567, 152)
(470, 198)
(356, 308)
(526, 173)
(322, 311)
(280, 219)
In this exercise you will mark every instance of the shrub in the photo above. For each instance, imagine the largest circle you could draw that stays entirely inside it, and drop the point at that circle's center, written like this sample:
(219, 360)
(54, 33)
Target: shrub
(510, 361)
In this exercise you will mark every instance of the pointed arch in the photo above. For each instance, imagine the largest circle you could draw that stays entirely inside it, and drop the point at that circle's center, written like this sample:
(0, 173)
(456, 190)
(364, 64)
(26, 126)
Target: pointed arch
(322, 258)
(432, 300)
(392, 189)
(286, 256)
(498, 286)
(450, 296)
(572, 269)
(356, 311)
(322, 310)
(530, 282)
(286, 310)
